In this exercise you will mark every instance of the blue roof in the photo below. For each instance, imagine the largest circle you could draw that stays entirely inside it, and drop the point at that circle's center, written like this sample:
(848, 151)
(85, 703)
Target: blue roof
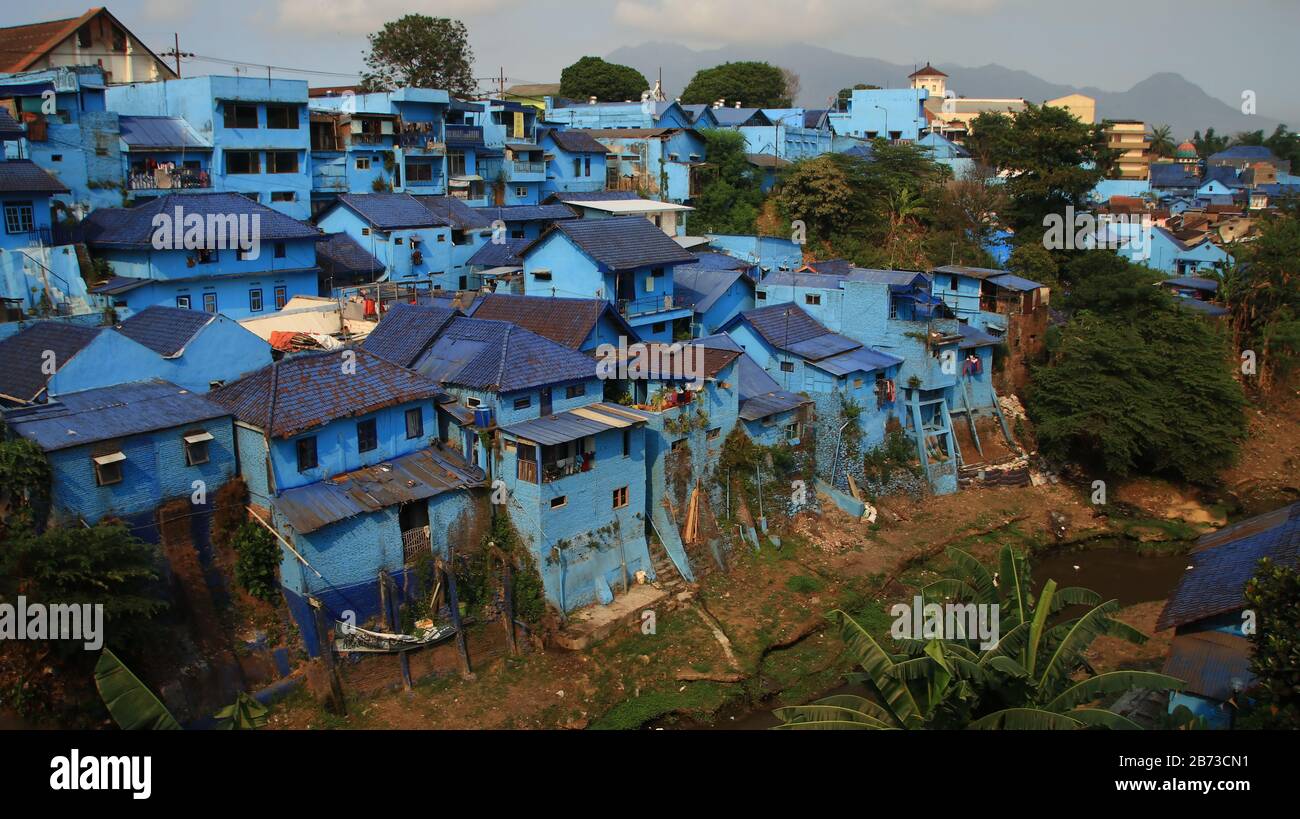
(760, 395)
(454, 212)
(25, 176)
(340, 253)
(119, 411)
(1013, 282)
(528, 213)
(133, 227)
(160, 133)
(165, 330)
(499, 254)
(1201, 306)
(621, 242)
(1223, 174)
(500, 357)
(1174, 175)
(574, 142)
(1251, 152)
(716, 260)
(972, 337)
(306, 391)
(1225, 560)
(1192, 283)
(392, 211)
(22, 378)
(859, 359)
(736, 117)
(406, 331)
(700, 287)
(10, 130)
(592, 196)
(783, 325)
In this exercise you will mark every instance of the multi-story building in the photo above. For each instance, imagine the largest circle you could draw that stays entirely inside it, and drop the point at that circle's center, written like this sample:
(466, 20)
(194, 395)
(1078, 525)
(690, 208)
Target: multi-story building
(1128, 138)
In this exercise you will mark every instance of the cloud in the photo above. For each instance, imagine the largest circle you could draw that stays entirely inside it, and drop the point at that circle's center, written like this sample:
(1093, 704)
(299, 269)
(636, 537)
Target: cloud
(366, 16)
(780, 20)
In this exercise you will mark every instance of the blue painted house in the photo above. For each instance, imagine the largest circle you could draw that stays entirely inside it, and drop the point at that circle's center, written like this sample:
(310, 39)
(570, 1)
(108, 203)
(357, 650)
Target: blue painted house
(188, 251)
(575, 162)
(662, 163)
(579, 324)
(625, 260)
(342, 455)
(716, 293)
(199, 351)
(25, 193)
(49, 357)
(258, 130)
(1211, 649)
(125, 450)
(1166, 252)
(514, 167)
(771, 415)
(887, 113)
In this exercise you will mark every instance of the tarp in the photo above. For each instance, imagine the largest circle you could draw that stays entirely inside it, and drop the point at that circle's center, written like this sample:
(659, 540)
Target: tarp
(354, 639)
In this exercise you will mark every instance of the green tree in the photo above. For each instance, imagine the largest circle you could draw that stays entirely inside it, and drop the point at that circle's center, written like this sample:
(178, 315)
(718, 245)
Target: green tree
(418, 51)
(1026, 681)
(1209, 144)
(1262, 292)
(1112, 286)
(608, 82)
(24, 483)
(1034, 262)
(730, 200)
(1274, 595)
(752, 84)
(1054, 161)
(1162, 141)
(1131, 394)
(257, 561)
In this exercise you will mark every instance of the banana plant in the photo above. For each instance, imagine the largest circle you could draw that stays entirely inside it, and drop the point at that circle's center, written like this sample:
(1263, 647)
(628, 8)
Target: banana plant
(130, 702)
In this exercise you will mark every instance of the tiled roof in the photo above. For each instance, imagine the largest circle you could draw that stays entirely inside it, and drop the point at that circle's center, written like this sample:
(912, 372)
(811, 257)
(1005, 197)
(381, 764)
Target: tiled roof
(24, 45)
(927, 71)
(25, 176)
(133, 227)
(783, 325)
(767, 161)
(1251, 152)
(740, 116)
(1225, 560)
(500, 357)
(576, 142)
(406, 331)
(454, 212)
(119, 411)
(392, 211)
(1174, 175)
(716, 260)
(306, 391)
(157, 133)
(565, 321)
(499, 254)
(1009, 281)
(527, 213)
(621, 242)
(700, 287)
(340, 253)
(9, 128)
(591, 196)
(24, 354)
(165, 330)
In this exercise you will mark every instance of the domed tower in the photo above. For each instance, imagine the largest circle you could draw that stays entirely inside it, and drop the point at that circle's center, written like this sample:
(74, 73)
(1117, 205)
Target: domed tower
(1186, 154)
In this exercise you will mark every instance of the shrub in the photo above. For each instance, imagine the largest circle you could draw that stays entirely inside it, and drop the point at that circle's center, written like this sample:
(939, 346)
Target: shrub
(258, 559)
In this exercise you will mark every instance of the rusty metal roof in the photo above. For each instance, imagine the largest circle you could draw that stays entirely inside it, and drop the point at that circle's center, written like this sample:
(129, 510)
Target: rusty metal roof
(1209, 662)
(417, 476)
(573, 424)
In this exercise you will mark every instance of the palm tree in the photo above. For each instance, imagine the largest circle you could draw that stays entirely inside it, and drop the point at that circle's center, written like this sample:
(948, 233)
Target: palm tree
(1162, 142)
(1025, 681)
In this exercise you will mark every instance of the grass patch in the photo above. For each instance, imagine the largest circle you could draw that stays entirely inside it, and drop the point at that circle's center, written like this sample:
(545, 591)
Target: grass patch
(699, 700)
(803, 584)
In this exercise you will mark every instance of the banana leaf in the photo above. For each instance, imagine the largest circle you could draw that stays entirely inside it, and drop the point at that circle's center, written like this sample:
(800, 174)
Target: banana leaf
(132, 705)
(1112, 682)
(1025, 719)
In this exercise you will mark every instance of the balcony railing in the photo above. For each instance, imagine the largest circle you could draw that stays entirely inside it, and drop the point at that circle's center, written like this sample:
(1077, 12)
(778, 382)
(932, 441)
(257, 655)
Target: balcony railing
(526, 470)
(464, 134)
(528, 167)
(649, 304)
(169, 180)
(422, 142)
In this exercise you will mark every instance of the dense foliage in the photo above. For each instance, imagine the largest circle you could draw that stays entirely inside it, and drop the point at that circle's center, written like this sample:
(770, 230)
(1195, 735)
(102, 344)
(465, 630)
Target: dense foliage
(730, 201)
(1262, 292)
(752, 84)
(257, 561)
(418, 51)
(607, 82)
(1274, 596)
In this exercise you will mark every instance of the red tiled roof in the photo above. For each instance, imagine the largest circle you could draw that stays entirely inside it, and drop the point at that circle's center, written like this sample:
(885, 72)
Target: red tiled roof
(928, 71)
(25, 45)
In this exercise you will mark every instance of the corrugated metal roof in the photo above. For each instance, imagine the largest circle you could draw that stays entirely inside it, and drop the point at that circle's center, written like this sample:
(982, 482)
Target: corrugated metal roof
(823, 346)
(406, 331)
(972, 272)
(417, 476)
(620, 242)
(591, 196)
(165, 330)
(501, 357)
(862, 359)
(119, 411)
(309, 390)
(1012, 282)
(972, 337)
(1225, 560)
(160, 133)
(571, 425)
(1192, 283)
(771, 403)
(22, 378)
(1210, 662)
(700, 287)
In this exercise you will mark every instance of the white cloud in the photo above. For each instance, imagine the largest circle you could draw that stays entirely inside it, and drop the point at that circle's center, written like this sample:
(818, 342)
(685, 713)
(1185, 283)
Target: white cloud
(779, 20)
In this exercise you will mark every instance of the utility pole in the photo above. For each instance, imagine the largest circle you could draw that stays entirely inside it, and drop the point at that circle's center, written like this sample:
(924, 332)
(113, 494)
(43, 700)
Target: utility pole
(177, 53)
(501, 83)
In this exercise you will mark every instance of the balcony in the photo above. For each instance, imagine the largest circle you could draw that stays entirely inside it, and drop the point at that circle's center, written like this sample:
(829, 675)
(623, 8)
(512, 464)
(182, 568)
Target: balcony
(644, 306)
(557, 469)
(423, 143)
(464, 135)
(162, 180)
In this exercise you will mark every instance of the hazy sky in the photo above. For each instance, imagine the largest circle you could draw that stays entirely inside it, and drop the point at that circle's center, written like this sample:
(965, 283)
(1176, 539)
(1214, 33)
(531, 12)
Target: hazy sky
(1225, 46)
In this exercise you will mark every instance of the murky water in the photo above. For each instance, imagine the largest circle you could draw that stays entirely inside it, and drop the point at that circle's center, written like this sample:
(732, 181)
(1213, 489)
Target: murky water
(1113, 569)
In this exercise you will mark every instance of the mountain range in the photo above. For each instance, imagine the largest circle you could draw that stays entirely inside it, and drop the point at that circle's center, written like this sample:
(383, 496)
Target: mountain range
(1161, 99)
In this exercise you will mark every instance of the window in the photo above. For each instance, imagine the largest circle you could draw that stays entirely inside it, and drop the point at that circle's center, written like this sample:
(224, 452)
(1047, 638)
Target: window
(761, 295)
(306, 453)
(255, 300)
(627, 442)
(456, 163)
(363, 163)
(84, 37)
(19, 217)
(812, 298)
(678, 444)
(714, 433)
(586, 166)
(857, 383)
(281, 296)
(281, 161)
(787, 366)
(620, 497)
(575, 390)
(658, 327)
(419, 171)
(205, 256)
(209, 302)
(521, 191)
(108, 468)
(657, 272)
(397, 240)
(196, 447)
(577, 166)
(414, 423)
(242, 162)
(523, 403)
(279, 250)
(241, 116)
(365, 231)
(562, 500)
(284, 196)
(183, 302)
(472, 403)
(367, 435)
(56, 157)
(792, 431)
(542, 275)
(281, 116)
(119, 40)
